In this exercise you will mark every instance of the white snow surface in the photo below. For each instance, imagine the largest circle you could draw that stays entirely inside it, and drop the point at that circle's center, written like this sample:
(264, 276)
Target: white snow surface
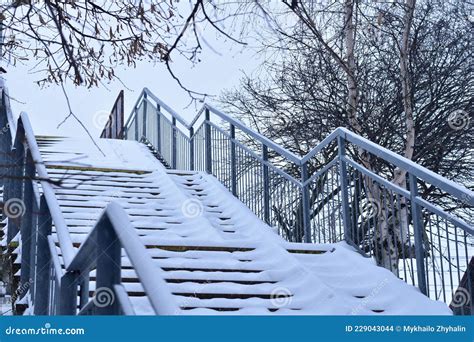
(249, 271)
(97, 153)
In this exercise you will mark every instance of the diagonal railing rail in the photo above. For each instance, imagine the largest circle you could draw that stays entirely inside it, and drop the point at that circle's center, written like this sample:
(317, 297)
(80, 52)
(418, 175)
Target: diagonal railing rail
(329, 195)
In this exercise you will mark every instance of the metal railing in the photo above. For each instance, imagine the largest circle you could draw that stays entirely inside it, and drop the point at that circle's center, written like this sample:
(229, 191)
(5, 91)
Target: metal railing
(330, 194)
(54, 275)
(102, 251)
(114, 127)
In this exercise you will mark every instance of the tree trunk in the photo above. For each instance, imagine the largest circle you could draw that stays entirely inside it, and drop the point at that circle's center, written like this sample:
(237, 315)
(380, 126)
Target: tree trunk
(353, 93)
(400, 175)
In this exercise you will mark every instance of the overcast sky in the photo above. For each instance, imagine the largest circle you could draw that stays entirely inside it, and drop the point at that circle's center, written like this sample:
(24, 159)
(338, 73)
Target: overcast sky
(221, 67)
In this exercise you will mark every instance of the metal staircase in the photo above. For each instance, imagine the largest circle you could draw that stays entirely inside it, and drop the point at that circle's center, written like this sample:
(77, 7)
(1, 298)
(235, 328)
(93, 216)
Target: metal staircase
(116, 232)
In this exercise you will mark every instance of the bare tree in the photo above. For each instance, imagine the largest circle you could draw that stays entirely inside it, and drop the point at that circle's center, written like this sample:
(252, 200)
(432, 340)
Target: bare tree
(85, 41)
(409, 63)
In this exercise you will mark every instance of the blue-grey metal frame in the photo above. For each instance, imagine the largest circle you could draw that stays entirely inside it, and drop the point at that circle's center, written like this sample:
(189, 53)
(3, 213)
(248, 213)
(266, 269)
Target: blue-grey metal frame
(333, 203)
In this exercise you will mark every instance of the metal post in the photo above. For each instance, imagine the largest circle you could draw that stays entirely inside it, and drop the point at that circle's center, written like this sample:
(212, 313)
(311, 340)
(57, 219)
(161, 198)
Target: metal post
(7, 179)
(33, 245)
(346, 219)
(306, 203)
(145, 102)
(5, 139)
(43, 260)
(266, 185)
(207, 137)
(136, 124)
(191, 148)
(158, 128)
(418, 230)
(27, 259)
(233, 161)
(68, 294)
(84, 288)
(173, 143)
(15, 192)
(108, 266)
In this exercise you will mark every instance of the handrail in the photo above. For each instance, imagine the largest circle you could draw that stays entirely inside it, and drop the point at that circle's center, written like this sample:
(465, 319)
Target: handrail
(24, 123)
(155, 287)
(454, 189)
(275, 146)
(59, 221)
(264, 140)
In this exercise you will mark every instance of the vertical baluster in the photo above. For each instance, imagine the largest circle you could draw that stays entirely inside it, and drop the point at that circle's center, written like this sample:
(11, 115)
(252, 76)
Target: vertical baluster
(207, 137)
(448, 248)
(108, 264)
(145, 104)
(137, 138)
(441, 263)
(43, 261)
(418, 227)
(158, 129)
(33, 244)
(306, 203)
(27, 220)
(233, 164)
(173, 143)
(266, 185)
(433, 253)
(15, 192)
(68, 294)
(84, 288)
(191, 148)
(402, 237)
(346, 220)
(5, 141)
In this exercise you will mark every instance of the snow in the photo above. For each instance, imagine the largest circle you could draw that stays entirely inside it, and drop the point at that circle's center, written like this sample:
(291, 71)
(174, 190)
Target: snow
(5, 306)
(119, 154)
(232, 260)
